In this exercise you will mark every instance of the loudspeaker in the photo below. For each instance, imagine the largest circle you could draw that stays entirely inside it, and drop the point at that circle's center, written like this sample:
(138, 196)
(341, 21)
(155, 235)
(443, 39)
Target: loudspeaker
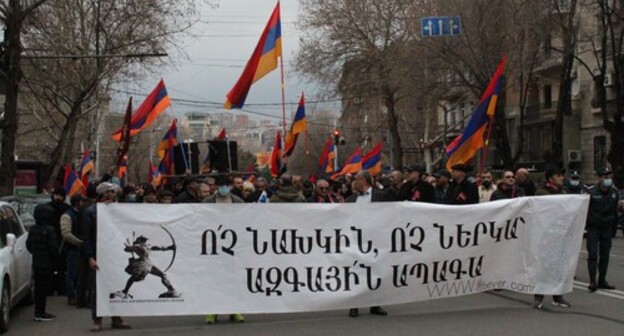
(223, 155)
(191, 158)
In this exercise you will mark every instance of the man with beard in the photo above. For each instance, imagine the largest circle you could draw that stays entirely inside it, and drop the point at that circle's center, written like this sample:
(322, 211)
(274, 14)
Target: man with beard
(321, 193)
(487, 187)
(507, 188)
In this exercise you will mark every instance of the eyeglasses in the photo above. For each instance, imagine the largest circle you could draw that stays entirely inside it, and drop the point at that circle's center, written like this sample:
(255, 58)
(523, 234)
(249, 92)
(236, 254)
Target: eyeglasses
(510, 177)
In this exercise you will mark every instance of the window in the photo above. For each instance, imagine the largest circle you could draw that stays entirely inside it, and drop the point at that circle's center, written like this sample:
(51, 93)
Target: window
(547, 96)
(600, 151)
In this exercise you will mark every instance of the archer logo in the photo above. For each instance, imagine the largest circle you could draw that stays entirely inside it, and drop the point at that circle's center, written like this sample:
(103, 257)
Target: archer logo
(140, 265)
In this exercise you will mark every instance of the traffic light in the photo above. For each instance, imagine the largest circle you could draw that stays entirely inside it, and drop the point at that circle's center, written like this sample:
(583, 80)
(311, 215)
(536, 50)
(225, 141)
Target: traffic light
(338, 140)
(336, 137)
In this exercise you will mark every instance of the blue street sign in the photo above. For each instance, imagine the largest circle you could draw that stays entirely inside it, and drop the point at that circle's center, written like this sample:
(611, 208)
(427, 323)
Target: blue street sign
(440, 26)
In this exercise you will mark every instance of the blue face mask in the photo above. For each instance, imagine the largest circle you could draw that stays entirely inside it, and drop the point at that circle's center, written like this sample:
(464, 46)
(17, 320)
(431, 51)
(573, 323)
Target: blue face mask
(223, 190)
(607, 183)
(132, 197)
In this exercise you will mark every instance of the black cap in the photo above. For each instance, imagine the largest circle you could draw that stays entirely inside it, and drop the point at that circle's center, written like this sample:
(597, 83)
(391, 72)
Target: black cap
(444, 172)
(221, 180)
(462, 167)
(603, 171)
(574, 174)
(551, 171)
(415, 167)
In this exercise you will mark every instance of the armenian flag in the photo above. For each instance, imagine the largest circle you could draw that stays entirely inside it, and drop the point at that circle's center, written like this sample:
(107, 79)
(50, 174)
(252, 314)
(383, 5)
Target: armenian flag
(72, 183)
(372, 161)
(352, 165)
(154, 177)
(327, 157)
(299, 125)
(466, 145)
(276, 156)
(169, 141)
(157, 101)
(263, 60)
(123, 168)
(86, 165)
(124, 144)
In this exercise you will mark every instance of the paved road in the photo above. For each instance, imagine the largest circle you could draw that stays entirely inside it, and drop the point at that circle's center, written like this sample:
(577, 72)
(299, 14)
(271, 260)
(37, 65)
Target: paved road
(495, 313)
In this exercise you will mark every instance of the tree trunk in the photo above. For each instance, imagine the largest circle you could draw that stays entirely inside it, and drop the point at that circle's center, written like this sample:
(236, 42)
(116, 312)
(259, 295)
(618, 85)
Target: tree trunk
(393, 125)
(62, 153)
(500, 129)
(9, 125)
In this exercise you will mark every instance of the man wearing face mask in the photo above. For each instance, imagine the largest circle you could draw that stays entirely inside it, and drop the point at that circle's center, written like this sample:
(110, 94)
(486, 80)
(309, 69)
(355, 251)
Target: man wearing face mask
(487, 188)
(601, 219)
(223, 194)
(574, 185)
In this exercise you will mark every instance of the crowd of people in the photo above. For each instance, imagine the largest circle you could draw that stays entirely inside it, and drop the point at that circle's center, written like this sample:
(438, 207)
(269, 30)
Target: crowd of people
(63, 241)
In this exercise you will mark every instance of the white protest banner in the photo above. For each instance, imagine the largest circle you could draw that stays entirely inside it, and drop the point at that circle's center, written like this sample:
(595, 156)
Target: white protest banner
(187, 259)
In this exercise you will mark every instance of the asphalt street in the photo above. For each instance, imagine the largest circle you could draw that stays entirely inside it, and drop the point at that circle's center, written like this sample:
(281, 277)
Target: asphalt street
(492, 313)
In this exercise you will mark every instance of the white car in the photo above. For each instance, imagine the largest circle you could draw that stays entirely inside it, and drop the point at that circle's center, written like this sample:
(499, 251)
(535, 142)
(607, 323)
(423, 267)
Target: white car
(15, 264)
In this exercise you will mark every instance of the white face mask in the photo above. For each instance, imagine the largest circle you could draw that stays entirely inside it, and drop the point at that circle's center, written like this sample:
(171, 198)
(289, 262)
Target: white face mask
(223, 190)
(575, 183)
(607, 183)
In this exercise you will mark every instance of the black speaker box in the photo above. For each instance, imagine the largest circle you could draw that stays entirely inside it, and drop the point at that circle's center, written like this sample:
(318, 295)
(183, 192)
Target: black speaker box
(223, 155)
(192, 157)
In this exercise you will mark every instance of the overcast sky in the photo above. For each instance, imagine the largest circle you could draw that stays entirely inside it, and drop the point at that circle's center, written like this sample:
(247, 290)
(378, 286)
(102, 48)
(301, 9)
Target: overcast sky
(226, 39)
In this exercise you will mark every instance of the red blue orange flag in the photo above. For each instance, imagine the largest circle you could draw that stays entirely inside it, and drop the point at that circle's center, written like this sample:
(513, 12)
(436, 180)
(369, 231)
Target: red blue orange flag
(466, 145)
(157, 101)
(125, 136)
(169, 141)
(352, 165)
(86, 165)
(327, 157)
(72, 183)
(123, 168)
(372, 161)
(154, 177)
(276, 156)
(299, 125)
(262, 61)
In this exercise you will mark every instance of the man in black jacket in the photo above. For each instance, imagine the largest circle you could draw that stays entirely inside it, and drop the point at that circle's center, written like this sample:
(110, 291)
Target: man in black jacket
(461, 190)
(367, 194)
(42, 243)
(601, 219)
(416, 189)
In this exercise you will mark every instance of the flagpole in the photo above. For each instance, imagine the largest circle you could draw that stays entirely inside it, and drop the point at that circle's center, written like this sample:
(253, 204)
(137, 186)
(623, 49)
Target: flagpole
(487, 144)
(307, 153)
(283, 98)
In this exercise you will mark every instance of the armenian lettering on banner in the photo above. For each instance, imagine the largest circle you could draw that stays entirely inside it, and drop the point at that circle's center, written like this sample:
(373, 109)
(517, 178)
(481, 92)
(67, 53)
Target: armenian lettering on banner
(189, 259)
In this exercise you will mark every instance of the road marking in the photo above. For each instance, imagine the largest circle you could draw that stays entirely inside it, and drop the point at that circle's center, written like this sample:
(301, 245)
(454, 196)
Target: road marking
(617, 294)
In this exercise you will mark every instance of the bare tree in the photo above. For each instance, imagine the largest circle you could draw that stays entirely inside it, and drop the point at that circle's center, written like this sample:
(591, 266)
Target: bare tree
(491, 29)
(374, 33)
(12, 14)
(111, 40)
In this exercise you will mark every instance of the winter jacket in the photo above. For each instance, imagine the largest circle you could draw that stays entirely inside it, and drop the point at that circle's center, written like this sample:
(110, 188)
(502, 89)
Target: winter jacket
(505, 192)
(603, 208)
(288, 194)
(42, 241)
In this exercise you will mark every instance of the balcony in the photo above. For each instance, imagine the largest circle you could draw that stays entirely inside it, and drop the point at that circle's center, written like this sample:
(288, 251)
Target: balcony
(540, 112)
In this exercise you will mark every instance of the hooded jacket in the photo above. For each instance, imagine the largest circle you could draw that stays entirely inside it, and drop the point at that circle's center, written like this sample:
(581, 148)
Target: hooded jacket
(288, 194)
(42, 241)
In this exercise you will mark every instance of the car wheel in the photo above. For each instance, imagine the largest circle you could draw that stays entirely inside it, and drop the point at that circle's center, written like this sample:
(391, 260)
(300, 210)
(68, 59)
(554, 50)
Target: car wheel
(5, 307)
